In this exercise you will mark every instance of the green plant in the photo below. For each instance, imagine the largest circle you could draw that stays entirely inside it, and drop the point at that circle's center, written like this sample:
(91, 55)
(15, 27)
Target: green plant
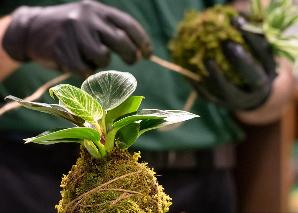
(104, 112)
(106, 177)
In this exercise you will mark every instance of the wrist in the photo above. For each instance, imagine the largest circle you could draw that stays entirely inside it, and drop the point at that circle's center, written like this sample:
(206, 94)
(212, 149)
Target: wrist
(7, 64)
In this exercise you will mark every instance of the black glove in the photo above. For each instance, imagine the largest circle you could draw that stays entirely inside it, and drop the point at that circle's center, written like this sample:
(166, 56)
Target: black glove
(257, 68)
(74, 37)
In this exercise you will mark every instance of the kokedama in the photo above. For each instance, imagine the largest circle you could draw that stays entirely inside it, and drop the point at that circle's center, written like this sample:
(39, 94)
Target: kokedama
(199, 37)
(106, 177)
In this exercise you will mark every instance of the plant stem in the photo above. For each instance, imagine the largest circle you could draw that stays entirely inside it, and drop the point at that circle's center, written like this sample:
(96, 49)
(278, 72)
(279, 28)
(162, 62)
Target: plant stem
(103, 123)
(109, 145)
(92, 149)
(101, 149)
(98, 128)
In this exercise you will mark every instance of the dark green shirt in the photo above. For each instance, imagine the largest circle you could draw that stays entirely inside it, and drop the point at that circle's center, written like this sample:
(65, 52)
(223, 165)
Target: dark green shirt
(162, 89)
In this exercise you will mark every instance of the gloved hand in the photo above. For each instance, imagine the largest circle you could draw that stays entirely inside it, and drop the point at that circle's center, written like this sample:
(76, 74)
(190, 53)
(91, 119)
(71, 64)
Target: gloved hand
(74, 37)
(257, 67)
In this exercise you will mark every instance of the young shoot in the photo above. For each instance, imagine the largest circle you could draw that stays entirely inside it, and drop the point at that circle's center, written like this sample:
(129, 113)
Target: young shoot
(104, 113)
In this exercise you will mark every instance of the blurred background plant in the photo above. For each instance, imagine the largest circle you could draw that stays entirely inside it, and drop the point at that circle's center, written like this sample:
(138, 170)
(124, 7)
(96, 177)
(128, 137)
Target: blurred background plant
(275, 21)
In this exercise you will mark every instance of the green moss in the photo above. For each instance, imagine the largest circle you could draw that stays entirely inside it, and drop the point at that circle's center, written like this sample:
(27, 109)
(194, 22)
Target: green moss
(118, 183)
(199, 37)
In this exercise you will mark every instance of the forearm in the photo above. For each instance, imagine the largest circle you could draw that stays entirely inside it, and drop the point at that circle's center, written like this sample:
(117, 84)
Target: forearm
(281, 94)
(7, 64)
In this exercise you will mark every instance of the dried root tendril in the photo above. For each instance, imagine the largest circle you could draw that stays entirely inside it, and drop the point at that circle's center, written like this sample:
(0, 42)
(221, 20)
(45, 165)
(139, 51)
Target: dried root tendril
(73, 204)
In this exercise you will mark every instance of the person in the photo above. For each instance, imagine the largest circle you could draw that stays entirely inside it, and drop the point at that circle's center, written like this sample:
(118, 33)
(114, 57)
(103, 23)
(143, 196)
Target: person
(193, 161)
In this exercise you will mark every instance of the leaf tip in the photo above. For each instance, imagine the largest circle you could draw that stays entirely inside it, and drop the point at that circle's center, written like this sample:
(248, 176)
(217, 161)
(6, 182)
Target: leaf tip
(11, 98)
(28, 140)
(51, 92)
(7, 97)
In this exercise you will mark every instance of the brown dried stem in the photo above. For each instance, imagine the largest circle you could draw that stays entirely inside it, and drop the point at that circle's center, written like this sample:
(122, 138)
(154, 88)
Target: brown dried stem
(174, 67)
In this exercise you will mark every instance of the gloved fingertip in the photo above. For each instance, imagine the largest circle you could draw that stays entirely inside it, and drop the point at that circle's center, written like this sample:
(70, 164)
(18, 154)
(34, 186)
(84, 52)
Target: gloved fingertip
(238, 22)
(130, 57)
(229, 45)
(233, 51)
(147, 50)
(139, 55)
(213, 69)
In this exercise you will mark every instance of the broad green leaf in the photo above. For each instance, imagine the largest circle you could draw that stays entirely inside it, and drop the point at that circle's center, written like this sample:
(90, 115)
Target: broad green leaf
(66, 140)
(133, 118)
(128, 135)
(78, 102)
(92, 149)
(130, 105)
(132, 126)
(76, 134)
(110, 140)
(150, 124)
(110, 88)
(52, 109)
(169, 117)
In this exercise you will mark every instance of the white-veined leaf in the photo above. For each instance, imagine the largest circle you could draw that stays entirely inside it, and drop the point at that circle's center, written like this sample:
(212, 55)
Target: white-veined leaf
(52, 109)
(154, 118)
(110, 88)
(78, 102)
(133, 118)
(76, 134)
(168, 117)
(164, 117)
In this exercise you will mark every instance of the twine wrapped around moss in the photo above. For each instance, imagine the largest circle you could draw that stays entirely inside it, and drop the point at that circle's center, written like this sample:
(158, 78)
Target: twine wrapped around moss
(117, 183)
(199, 37)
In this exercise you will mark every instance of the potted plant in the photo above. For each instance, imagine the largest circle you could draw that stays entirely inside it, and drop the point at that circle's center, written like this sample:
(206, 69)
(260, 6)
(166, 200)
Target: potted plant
(107, 119)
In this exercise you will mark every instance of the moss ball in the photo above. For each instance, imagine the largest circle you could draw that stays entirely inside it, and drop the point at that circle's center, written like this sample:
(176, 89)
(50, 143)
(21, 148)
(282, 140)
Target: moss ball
(199, 37)
(118, 183)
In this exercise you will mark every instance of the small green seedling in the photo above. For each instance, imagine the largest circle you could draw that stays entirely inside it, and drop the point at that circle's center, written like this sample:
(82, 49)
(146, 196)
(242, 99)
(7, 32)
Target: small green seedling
(104, 113)
(107, 122)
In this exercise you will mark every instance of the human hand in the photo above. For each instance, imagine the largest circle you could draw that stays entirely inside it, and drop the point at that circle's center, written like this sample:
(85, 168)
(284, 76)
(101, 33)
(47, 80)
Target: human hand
(7, 64)
(256, 67)
(75, 37)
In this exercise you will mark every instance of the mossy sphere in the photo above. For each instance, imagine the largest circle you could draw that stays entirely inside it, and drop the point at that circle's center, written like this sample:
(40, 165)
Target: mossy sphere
(199, 37)
(118, 183)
